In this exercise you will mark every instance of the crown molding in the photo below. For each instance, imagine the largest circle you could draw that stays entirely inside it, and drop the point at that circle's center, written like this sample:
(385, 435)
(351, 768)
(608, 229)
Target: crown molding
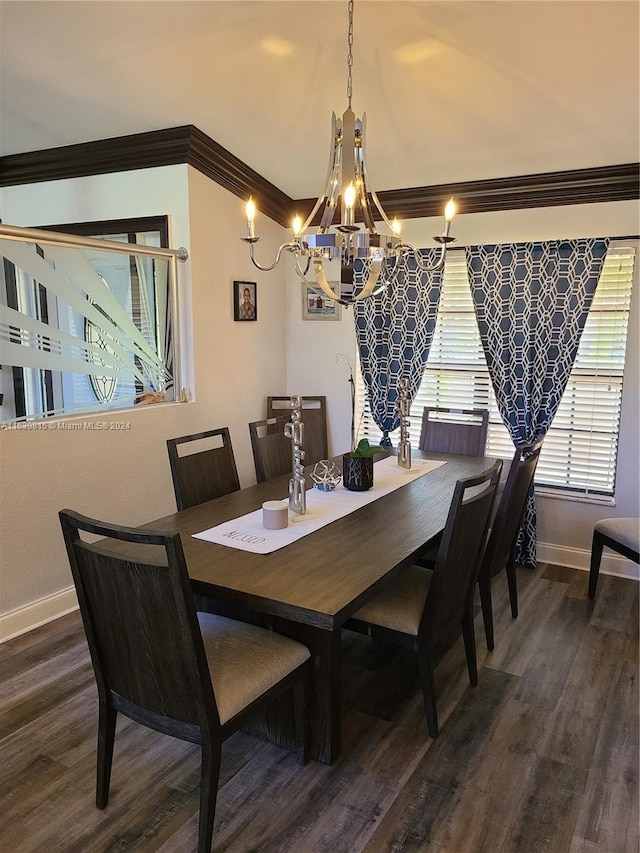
(136, 151)
(188, 144)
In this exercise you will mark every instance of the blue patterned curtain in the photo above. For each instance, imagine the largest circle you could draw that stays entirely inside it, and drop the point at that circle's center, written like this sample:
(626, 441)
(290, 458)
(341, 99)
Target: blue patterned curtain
(531, 302)
(394, 331)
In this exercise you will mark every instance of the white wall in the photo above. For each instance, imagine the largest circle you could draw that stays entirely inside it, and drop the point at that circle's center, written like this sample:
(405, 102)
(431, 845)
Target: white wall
(565, 527)
(124, 476)
(318, 360)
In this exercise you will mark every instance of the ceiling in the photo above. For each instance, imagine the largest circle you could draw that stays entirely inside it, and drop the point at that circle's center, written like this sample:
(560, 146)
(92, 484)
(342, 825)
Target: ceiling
(453, 90)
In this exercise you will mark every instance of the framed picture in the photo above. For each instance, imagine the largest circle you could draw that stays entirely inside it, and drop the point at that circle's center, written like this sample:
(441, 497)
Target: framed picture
(245, 300)
(316, 306)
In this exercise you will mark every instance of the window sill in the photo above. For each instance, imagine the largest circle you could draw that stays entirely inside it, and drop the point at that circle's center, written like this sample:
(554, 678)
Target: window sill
(574, 497)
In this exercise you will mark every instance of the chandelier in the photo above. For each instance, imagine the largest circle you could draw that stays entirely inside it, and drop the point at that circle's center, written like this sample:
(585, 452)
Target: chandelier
(356, 237)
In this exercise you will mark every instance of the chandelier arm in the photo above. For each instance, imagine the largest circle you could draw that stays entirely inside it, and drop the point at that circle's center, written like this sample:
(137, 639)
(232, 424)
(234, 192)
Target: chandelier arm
(363, 183)
(303, 275)
(407, 247)
(332, 187)
(365, 176)
(365, 205)
(321, 279)
(396, 263)
(306, 269)
(378, 204)
(291, 246)
(369, 288)
(333, 171)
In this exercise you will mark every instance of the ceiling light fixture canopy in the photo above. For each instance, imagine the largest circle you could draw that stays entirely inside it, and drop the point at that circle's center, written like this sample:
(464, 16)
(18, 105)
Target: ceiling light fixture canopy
(356, 237)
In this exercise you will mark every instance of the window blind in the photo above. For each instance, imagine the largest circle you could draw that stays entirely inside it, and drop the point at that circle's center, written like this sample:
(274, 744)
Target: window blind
(580, 449)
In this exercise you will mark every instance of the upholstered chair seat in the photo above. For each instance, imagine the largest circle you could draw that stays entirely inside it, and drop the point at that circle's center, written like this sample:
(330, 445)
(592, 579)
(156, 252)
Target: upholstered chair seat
(626, 531)
(400, 605)
(619, 534)
(245, 661)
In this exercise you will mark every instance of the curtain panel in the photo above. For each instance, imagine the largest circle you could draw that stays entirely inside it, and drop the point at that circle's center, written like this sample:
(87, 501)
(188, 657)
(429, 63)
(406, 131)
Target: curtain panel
(394, 330)
(531, 302)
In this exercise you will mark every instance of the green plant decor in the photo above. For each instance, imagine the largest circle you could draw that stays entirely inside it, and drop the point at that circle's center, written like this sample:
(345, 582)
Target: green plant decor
(364, 450)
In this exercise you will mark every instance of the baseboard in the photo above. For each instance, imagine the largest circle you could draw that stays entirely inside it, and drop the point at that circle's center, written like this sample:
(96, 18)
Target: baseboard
(37, 613)
(576, 558)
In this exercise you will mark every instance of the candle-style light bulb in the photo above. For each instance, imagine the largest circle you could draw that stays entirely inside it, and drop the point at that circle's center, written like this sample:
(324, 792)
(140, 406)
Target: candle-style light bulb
(350, 195)
(251, 215)
(450, 210)
(297, 225)
(449, 213)
(395, 227)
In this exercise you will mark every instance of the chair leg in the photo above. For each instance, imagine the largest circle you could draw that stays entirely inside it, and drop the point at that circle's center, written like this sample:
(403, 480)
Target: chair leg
(299, 716)
(106, 737)
(484, 584)
(425, 664)
(209, 778)
(594, 569)
(512, 583)
(469, 636)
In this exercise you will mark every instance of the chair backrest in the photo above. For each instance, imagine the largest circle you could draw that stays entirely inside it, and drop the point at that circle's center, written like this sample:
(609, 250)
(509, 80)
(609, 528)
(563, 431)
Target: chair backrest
(461, 548)
(272, 452)
(314, 418)
(203, 472)
(454, 430)
(141, 625)
(506, 525)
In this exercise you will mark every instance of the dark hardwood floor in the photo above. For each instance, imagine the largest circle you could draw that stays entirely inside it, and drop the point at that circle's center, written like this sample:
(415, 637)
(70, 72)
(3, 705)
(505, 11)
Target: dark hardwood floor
(541, 756)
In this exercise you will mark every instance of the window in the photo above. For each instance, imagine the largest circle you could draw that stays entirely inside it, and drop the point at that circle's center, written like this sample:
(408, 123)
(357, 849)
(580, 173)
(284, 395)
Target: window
(580, 450)
(85, 327)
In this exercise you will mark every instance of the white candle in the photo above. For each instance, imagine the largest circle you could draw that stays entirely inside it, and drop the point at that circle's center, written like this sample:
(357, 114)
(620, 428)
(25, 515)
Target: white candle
(449, 213)
(251, 215)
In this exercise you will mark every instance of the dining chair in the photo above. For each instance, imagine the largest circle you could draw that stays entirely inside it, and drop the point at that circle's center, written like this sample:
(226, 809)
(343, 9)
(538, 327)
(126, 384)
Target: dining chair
(420, 608)
(454, 430)
(619, 534)
(501, 544)
(314, 418)
(272, 451)
(203, 472)
(194, 676)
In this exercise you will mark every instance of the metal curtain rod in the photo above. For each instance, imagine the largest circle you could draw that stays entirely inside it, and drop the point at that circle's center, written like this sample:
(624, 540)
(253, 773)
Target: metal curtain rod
(33, 235)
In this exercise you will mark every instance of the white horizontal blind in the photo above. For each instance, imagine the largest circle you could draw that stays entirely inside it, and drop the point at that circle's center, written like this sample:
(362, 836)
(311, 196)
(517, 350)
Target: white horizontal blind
(580, 450)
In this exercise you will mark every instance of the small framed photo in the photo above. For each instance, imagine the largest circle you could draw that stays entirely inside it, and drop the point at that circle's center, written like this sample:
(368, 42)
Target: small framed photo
(245, 300)
(316, 306)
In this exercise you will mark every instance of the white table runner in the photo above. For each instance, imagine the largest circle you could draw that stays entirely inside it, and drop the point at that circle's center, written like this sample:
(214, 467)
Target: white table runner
(248, 534)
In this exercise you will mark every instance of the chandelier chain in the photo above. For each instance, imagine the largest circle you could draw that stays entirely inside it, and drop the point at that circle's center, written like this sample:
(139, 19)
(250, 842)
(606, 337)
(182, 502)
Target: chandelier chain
(350, 56)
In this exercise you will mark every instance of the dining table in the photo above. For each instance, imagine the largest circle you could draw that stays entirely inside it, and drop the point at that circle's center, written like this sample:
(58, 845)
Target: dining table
(308, 589)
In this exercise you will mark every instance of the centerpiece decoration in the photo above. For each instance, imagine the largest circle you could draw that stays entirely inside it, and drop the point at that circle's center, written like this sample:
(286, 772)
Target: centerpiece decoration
(326, 475)
(297, 484)
(357, 466)
(403, 405)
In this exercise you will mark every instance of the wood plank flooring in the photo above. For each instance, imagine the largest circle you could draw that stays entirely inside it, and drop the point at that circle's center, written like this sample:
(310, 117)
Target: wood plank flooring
(541, 756)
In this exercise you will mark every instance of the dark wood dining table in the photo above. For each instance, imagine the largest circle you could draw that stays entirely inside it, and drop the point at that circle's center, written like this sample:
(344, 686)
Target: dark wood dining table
(308, 589)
